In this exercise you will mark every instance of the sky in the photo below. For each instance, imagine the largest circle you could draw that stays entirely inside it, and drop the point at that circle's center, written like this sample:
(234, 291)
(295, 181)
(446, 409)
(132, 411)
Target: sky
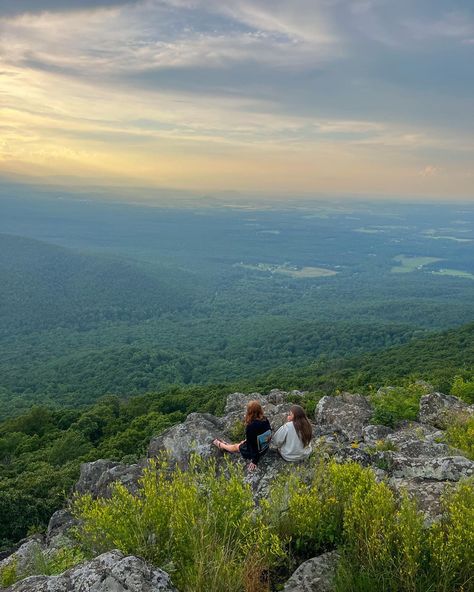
(294, 97)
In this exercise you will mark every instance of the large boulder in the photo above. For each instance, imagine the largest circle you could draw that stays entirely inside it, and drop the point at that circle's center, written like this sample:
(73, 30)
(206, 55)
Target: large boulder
(110, 572)
(415, 440)
(345, 414)
(275, 406)
(314, 575)
(194, 435)
(97, 477)
(438, 410)
(449, 468)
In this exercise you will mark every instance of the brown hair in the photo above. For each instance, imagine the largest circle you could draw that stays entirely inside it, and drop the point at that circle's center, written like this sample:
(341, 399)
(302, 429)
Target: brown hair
(254, 411)
(302, 426)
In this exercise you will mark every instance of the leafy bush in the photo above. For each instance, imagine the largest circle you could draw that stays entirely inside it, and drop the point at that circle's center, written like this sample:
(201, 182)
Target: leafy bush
(9, 574)
(464, 389)
(308, 514)
(460, 434)
(199, 524)
(451, 541)
(391, 406)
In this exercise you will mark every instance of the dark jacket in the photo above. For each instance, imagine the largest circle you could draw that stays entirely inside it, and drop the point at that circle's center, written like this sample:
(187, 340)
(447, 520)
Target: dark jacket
(249, 449)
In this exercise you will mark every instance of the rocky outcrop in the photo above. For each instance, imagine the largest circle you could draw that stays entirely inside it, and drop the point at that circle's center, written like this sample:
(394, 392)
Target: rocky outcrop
(314, 575)
(97, 477)
(194, 435)
(344, 414)
(411, 458)
(437, 409)
(110, 572)
(449, 468)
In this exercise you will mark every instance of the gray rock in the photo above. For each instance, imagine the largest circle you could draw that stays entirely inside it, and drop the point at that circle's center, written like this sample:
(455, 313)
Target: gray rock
(449, 468)
(346, 414)
(26, 556)
(416, 440)
(59, 526)
(110, 572)
(314, 575)
(194, 435)
(374, 433)
(427, 493)
(97, 477)
(437, 409)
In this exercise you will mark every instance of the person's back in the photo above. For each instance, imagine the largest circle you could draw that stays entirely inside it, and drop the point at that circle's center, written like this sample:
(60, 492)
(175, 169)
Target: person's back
(293, 439)
(254, 429)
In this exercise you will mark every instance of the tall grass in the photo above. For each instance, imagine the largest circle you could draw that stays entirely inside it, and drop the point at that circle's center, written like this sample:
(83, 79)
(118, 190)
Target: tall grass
(202, 526)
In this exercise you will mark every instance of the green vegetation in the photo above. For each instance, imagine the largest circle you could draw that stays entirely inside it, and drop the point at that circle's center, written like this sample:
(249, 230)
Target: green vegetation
(460, 434)
(199, 524)
(464, 389)
(41, 450)
(202, 526)
(391, 406)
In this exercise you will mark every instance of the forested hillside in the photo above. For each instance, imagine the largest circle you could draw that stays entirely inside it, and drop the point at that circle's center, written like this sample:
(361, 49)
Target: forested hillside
(45, 286)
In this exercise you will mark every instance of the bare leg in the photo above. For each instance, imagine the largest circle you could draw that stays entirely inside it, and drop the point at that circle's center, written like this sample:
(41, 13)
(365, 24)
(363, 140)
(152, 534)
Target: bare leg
(227, 447)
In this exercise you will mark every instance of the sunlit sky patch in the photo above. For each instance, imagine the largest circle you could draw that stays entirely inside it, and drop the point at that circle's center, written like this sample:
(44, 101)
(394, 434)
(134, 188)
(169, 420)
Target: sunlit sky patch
(310, 96)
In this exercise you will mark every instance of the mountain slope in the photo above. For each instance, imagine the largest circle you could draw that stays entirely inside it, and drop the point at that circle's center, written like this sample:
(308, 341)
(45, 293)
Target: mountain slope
(44, 286)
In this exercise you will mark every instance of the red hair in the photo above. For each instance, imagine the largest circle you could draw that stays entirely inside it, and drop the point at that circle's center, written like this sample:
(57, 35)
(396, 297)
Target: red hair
(254, 411)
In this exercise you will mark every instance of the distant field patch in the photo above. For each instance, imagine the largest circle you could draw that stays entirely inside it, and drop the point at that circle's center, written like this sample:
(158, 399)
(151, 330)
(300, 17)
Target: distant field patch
(409, 264)
(454, 273)
(295, 272)
(451, 238)
(369, 230)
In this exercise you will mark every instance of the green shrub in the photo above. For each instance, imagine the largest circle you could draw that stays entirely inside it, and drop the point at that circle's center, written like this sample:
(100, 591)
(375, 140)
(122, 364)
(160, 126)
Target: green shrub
(395, 405)
(460, 434)
(237, 431)
(9, 574)
(464, 389)
(198, 524)
(451, 541)
(308, 513)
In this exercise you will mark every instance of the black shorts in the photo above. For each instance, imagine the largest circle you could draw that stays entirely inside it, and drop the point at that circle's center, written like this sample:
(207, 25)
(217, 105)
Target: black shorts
(244, 451)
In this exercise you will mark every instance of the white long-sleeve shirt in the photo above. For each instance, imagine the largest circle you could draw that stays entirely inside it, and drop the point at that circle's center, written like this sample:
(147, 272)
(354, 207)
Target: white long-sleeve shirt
(288, 443)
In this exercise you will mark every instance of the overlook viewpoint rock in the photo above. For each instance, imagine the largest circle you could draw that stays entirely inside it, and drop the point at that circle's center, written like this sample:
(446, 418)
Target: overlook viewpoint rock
(415, 459)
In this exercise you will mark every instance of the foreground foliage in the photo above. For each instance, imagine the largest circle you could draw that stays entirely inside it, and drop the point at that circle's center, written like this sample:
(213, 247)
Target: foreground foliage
(201, 525)
(198, 524)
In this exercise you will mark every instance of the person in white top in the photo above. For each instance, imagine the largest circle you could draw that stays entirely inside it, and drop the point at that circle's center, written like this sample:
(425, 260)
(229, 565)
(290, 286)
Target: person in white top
(293, 439)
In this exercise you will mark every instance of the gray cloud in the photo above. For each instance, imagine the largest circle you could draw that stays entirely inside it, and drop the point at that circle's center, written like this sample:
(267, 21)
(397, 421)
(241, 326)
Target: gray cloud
(15, 7)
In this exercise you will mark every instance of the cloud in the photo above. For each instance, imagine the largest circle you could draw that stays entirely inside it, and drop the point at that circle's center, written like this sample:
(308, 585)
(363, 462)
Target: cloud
(174, 89)
(16, 7)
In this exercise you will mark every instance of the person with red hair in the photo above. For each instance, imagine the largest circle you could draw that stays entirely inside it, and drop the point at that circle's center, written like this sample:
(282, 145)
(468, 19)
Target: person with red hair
(258, 433)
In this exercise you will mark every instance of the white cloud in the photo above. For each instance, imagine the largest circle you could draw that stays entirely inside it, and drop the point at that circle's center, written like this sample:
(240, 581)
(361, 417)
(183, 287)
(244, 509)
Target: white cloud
(153, 35)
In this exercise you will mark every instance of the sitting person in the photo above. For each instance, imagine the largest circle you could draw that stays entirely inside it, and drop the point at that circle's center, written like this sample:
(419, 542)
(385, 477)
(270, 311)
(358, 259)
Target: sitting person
(257, 436)
(293, 439)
